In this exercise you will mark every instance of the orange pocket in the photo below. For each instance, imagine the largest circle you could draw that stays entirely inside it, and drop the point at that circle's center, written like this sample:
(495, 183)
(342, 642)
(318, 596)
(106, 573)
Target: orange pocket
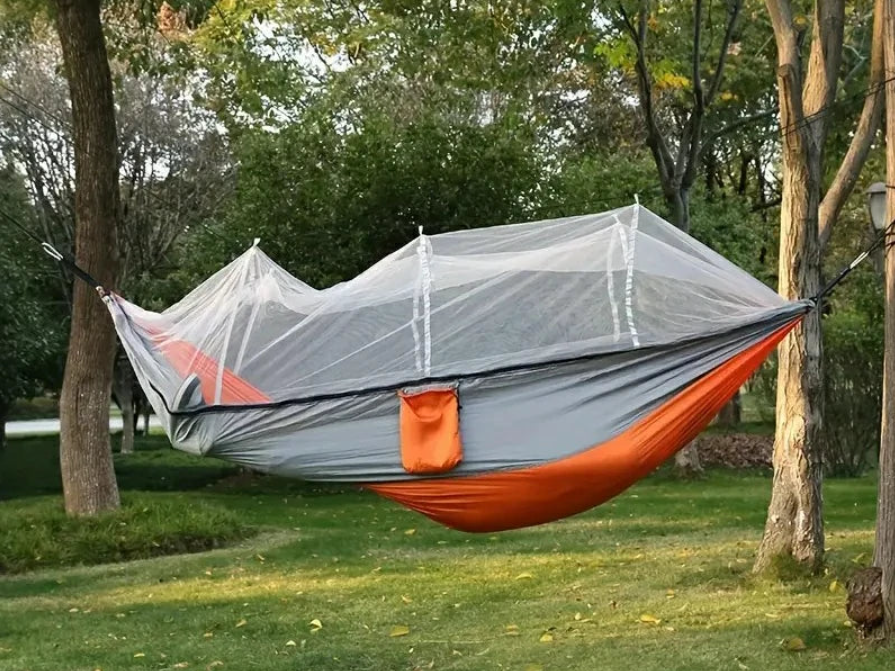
(430, 431)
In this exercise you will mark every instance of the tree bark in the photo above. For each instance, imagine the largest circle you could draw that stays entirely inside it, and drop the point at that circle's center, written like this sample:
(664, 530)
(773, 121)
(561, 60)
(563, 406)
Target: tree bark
(88, 476)
(794, 525)
(123, 383)
(884, 550)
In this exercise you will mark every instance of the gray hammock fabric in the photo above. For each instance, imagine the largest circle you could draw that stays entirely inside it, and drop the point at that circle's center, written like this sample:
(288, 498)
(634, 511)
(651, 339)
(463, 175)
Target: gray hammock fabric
(557, 335)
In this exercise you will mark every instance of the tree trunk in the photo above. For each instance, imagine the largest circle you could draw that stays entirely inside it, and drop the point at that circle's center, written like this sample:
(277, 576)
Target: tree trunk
(731, 414)
(88, 476)
(123, 382)
(884, 551)
(794, 526)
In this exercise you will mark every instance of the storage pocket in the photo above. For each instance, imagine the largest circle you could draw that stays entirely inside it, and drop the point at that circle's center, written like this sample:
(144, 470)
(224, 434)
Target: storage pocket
(430, 431)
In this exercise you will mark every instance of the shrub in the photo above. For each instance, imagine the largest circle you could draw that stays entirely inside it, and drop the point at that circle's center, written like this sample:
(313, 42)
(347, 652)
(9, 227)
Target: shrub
(853, 389)
(39, 534)
(853, 369)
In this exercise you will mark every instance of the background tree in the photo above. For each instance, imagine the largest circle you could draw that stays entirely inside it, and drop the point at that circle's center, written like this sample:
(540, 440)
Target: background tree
(794, 525)
(88, 477)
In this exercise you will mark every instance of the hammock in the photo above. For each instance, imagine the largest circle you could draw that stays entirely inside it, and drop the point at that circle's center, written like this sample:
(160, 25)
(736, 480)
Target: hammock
(489, 378)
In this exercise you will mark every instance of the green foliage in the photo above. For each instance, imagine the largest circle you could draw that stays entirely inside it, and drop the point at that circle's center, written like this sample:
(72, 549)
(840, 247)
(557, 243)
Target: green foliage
(39, 407)
(853, 357)
(30, 329)
(40, 534)
(327, 203)
(730, 227)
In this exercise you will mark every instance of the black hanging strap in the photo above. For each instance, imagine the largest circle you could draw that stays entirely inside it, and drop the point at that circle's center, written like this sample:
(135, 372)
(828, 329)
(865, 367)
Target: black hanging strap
(860, 258)
(76, 270)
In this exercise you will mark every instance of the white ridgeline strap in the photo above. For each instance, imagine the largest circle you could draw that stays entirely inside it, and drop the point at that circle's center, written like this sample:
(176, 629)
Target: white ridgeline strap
(610, 281)
(415, 328)
(629, 281)
(423, 251)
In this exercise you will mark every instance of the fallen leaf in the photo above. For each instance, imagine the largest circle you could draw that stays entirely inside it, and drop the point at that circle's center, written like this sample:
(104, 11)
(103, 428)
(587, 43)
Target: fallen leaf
(795, 644)
(834, 585)
(290, 644)
(533, 667)
(546, 638)
(181, 665)
(524, 576)
(241, 623)
(406, 599)
(577, 617)
(410, 532)
(214, 664)
(208, 634)
(859, 558)
(316, 624)
(649, 619)
(72, 610)
(140, 654)
(741, 665)
(669, 594)
(399, 630)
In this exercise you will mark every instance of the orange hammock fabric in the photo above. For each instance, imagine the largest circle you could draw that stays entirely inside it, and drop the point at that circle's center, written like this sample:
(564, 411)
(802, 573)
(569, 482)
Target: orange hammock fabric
(526, 497)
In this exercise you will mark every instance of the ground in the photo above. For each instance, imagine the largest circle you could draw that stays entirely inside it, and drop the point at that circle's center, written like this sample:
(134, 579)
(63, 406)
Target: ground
(342, 580)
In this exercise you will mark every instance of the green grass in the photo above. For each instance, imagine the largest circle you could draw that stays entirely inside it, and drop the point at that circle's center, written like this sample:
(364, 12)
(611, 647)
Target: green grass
(39, 534)
(680, 552)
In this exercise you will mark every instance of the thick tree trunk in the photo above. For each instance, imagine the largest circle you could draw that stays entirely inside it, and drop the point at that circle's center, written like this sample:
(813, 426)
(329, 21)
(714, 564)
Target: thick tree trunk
(124, 391)
(88, 476)
(884, 552)
(794, 525)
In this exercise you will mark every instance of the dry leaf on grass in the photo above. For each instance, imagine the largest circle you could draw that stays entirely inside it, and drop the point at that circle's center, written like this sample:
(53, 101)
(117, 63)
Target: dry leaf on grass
(646, 618)
(316, 624)
(795, 644)
(524, 576)
(241, 623)
(399, 630)
(546, 638)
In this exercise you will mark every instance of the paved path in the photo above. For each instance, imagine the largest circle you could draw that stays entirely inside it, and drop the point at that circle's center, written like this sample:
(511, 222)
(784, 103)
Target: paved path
(50, 427)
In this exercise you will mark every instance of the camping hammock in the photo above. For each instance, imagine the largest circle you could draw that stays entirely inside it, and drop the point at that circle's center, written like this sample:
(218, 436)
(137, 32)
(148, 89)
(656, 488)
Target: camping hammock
(490, 378)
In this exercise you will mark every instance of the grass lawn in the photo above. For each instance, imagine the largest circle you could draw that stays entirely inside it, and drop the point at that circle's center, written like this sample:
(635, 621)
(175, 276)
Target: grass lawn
(340, 580)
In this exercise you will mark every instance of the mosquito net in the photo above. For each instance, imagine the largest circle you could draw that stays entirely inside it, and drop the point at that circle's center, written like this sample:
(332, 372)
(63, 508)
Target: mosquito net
(451, 305)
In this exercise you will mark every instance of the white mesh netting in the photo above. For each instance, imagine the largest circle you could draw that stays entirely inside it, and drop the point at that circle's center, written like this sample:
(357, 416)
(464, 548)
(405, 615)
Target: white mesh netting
(458, 304)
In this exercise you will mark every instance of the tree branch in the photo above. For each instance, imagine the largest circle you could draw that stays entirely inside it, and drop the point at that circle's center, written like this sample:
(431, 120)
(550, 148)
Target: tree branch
(655, 139)
(718, 75)
(739, 123)
(698, 96)
(869, 122)
(822, 77)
